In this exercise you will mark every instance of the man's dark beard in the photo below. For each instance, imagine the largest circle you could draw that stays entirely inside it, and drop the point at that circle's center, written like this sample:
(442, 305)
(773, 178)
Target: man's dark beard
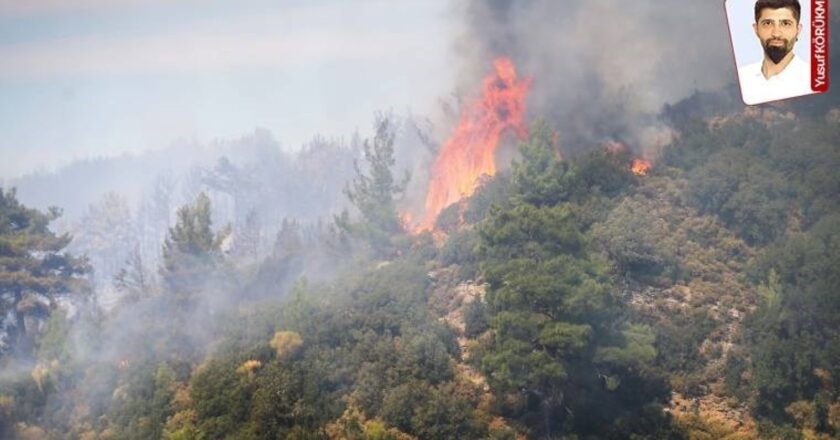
(775, 53)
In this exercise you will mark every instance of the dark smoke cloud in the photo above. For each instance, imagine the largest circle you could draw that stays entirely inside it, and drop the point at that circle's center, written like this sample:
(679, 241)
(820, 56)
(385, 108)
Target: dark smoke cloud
(603, 69)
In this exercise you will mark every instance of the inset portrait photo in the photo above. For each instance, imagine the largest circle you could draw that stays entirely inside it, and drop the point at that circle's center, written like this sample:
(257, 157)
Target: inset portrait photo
(780, 47)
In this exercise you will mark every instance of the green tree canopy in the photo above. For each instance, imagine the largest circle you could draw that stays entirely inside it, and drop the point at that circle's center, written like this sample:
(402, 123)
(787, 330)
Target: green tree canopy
(374, 191)
(559, 344)
(192, 251)
(540, 176)
(34, 271)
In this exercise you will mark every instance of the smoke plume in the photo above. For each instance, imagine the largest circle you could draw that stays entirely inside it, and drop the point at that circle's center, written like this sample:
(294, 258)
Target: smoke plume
(603, 69)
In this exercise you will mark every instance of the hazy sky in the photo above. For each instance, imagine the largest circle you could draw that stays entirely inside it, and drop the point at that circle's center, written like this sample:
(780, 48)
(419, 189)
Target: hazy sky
(82, 78)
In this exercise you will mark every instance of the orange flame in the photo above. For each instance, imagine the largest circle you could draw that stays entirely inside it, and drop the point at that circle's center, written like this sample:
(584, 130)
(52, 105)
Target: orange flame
(469, 153)
(406, 219)
(640, 167)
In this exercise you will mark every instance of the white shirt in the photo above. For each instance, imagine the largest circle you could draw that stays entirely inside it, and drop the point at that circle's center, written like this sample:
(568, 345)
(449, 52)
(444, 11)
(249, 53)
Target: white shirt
(794, 80)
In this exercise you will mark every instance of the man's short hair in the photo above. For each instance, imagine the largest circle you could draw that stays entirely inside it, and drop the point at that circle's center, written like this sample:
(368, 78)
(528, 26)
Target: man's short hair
(778, 4)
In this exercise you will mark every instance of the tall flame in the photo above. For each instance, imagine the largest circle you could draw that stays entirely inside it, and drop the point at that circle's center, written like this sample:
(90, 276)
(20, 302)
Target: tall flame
(469, 153)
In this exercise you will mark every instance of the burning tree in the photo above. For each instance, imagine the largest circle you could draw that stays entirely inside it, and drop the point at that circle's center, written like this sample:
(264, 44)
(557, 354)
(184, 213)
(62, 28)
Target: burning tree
(470, 152)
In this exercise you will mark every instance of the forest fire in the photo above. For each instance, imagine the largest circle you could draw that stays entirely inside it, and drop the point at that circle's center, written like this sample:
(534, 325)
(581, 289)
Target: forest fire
(640, 167)
(469, 153)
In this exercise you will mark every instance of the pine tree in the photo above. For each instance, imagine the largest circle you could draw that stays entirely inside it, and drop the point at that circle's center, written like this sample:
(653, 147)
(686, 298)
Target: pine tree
(247, 237)
(540, 177)
(191, 252)
(34, 272)
(557, 331)
(374, 192)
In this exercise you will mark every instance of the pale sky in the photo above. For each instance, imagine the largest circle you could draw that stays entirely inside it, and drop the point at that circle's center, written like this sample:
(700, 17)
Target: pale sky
(82, 78)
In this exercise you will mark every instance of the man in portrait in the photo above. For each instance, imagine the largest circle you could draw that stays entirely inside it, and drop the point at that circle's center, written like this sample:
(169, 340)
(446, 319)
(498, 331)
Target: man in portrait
(780, 73)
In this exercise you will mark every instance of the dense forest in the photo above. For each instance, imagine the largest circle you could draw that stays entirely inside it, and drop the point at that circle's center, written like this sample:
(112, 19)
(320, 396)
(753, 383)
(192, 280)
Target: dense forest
(569, 297)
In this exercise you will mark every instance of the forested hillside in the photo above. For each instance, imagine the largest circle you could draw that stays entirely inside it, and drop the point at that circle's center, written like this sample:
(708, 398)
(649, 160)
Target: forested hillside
(568, 297)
